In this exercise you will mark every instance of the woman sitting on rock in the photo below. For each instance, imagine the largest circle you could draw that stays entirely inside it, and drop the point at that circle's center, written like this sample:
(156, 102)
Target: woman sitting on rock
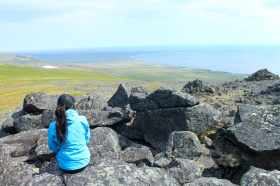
(68, 136)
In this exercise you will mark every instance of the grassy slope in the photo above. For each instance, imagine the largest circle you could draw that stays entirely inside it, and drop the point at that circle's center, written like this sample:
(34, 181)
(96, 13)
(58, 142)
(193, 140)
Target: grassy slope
(16, 82)
(156, 72)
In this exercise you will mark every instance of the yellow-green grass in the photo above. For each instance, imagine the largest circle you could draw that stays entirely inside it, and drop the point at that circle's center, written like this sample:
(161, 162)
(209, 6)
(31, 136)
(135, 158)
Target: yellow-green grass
(16, 82)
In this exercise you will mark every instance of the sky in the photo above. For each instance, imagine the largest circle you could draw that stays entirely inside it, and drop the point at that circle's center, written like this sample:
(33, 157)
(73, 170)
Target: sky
(61, 24)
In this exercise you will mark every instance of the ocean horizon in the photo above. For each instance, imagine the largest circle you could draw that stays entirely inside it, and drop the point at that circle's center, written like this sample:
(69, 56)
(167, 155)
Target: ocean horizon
(241, 59)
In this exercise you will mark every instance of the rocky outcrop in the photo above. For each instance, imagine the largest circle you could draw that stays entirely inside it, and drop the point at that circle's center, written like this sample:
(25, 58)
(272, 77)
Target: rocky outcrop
(261, 75)
(120, 98)
(256, 176)
(257, 128)
(138, 155)
(210, 181)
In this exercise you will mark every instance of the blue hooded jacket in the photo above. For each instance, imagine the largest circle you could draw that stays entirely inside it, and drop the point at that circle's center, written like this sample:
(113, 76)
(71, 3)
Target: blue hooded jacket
(75, 154)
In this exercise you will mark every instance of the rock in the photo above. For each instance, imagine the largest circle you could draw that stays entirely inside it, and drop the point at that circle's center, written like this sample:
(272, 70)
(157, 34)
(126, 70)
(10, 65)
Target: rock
(3, 134)
(184, 170)
(127, 131)
(12, 173)
(124, 142)
(140, 155)
(48, 116)
(120, 175)
(43, 152)
(257, 129)
(256, 176)
(24, 143)
(165, 97)
(183, 144)
(192, 85)
(163, 162)
(45, 179)
(156, 125)
(139, 102)
(139, 89)
(51, 167)
(104, 144)
(108, 117)
(120, 98)
(28, 122)
(90, 102)
(210, 181)
(8, 125)
(261, 75)
(38, 102)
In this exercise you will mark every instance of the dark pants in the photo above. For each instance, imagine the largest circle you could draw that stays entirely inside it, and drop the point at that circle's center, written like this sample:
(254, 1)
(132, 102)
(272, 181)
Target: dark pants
(73, 171)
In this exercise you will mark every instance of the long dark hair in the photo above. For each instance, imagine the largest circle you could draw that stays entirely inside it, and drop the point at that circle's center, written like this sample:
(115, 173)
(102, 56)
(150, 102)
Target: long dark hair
(64, 102)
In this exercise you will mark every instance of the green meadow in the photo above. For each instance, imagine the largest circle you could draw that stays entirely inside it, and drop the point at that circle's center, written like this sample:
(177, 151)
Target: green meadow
(16, 82)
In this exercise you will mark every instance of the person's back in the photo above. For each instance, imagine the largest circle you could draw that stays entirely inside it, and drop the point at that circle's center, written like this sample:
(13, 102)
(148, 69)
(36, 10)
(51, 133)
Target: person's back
(68, 136)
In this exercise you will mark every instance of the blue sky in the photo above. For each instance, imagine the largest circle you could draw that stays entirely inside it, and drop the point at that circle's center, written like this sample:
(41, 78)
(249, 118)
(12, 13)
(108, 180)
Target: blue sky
(57, 24)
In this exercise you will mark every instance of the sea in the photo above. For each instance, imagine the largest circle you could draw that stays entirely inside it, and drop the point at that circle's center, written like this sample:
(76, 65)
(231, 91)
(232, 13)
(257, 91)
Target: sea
(241, 59)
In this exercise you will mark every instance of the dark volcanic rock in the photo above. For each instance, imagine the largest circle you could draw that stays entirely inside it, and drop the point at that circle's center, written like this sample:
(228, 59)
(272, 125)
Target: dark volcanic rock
(90, 103)
(183, 144)
(156, 125)
(120, 98)
(120, 175)
(210, 181)
(165, 97)
(8, 125)
(260, 75)
(28, 122)
(257, 128)
(108, 117)
(256, 176)
(104, 144)
(138, 155)
(192, 85)
(38, 102)
(139, 102)
(184, 170)
(48, 116)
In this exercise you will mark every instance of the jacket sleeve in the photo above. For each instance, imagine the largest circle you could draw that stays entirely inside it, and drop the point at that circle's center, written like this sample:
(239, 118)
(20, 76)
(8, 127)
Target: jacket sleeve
(51, 136)
(86, 126)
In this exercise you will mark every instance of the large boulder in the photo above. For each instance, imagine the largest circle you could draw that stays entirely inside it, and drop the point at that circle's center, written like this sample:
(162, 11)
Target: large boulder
(8, 125)
(210, 181)
(165, 97)
(184, 170)
(261, 75)
(104, 144)
(158, 124)
(38, 102)
(257, 129)
(137, 155)
(139, 102)
(120, 174)
(28, 122)
(257, 176)
(45, 179)
(121, 97)
(183, 144)
(107, 117)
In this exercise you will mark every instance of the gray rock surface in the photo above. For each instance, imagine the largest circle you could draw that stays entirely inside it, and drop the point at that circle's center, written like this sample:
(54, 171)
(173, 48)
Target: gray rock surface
(210, 181)
(120, 175)
(165, 97)
(256, 176)
(104, 144)
(139, 102)
(138, 155)
(156, 125)
(257, 128)
(48, 116)
(261, 75)
(184, 170)
(183, 144)
(121, 97)
(45, 179)
(28, 122)
(38, 102)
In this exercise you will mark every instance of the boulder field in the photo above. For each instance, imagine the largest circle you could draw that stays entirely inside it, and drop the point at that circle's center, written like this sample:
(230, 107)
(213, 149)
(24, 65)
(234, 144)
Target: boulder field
(164, 137)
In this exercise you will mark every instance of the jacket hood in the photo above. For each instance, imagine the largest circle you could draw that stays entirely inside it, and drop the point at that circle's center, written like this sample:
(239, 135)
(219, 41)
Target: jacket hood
(71, 116)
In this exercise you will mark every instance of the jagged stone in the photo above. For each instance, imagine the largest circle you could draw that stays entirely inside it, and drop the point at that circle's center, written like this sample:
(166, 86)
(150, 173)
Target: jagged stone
(183, 144)
(43, 152)
(129, 132)
(156, 125)
(261, 75)
(120, 98)
(256, 176)
(51, 167)
(165, 97)
(210, 181)
(257, 128)
(48, 116)
(38, 102)
(138, 155)
(28, 122)
(104, 144)
(139, 102)
(120, 175)
(184, 170)
(162, 162)
(90, 103)
(8, 125)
